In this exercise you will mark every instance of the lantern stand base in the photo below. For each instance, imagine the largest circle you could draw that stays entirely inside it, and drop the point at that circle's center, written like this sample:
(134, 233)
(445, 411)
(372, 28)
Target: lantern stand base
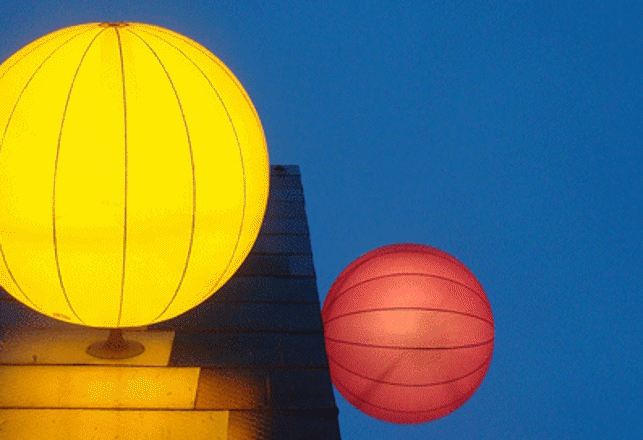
(115, 347)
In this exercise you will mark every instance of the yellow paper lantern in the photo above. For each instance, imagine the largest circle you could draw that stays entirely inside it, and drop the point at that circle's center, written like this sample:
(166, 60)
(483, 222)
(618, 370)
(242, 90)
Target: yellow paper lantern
(133, 174)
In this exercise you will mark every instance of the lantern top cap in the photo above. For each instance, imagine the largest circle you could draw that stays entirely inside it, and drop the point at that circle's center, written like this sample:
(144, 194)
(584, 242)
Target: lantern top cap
(114, 24)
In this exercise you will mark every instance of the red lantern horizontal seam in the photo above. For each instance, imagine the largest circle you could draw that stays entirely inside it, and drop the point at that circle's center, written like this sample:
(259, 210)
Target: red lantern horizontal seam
(455, 403)
(394, 347)
(485, 362)
(326, 310)
(409, 308)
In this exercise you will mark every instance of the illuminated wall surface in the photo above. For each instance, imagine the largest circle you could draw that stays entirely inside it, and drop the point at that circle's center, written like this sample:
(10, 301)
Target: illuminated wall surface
(249, 363)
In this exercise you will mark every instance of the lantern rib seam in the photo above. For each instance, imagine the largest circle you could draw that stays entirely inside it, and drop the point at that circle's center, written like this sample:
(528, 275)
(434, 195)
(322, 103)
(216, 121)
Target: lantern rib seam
(187, 132)
(424, 309)
(487, 361)
(236, 136)
(55, 36)
(6, 128)
(222, 67)
(120, 50)
(60, 133)
(327, 309)
(395, 347)
(456, 403)
(397, 249)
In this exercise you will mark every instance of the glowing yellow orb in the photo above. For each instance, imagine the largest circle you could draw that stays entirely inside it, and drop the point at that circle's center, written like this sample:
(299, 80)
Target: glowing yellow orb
(133, 174)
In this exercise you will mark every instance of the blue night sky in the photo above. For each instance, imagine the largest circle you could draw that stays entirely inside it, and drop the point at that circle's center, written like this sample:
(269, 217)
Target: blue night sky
(507, 134)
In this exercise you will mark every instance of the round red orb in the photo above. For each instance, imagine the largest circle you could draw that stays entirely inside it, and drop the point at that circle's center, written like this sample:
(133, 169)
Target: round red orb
(409, 333)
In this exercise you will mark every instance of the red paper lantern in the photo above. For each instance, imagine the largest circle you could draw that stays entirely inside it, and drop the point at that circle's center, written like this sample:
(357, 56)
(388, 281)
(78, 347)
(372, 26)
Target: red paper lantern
(409, 333)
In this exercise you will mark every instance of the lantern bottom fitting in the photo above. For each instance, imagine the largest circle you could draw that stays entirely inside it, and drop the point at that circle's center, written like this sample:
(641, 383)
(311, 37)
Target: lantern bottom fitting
(115, 347)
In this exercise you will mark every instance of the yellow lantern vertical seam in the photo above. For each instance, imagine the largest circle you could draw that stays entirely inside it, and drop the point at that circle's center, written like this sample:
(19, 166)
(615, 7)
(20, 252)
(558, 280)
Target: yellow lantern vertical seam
(26, 54)
(120, 50)
(222, 66)
(4, 257)
(243, 173)
(241, 90)
(53, 209)
(187, 133)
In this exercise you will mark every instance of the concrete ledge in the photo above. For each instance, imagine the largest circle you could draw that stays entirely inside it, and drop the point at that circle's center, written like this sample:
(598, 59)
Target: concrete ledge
(285, 181)
(261, 288)
(281, 225)
(277, 265)
(286, 195)
(214, 316)
(65, 424)
(249, 350)
(280, 209)
(69, 386)
(66, 346)
(282, 244)
(286, 424)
